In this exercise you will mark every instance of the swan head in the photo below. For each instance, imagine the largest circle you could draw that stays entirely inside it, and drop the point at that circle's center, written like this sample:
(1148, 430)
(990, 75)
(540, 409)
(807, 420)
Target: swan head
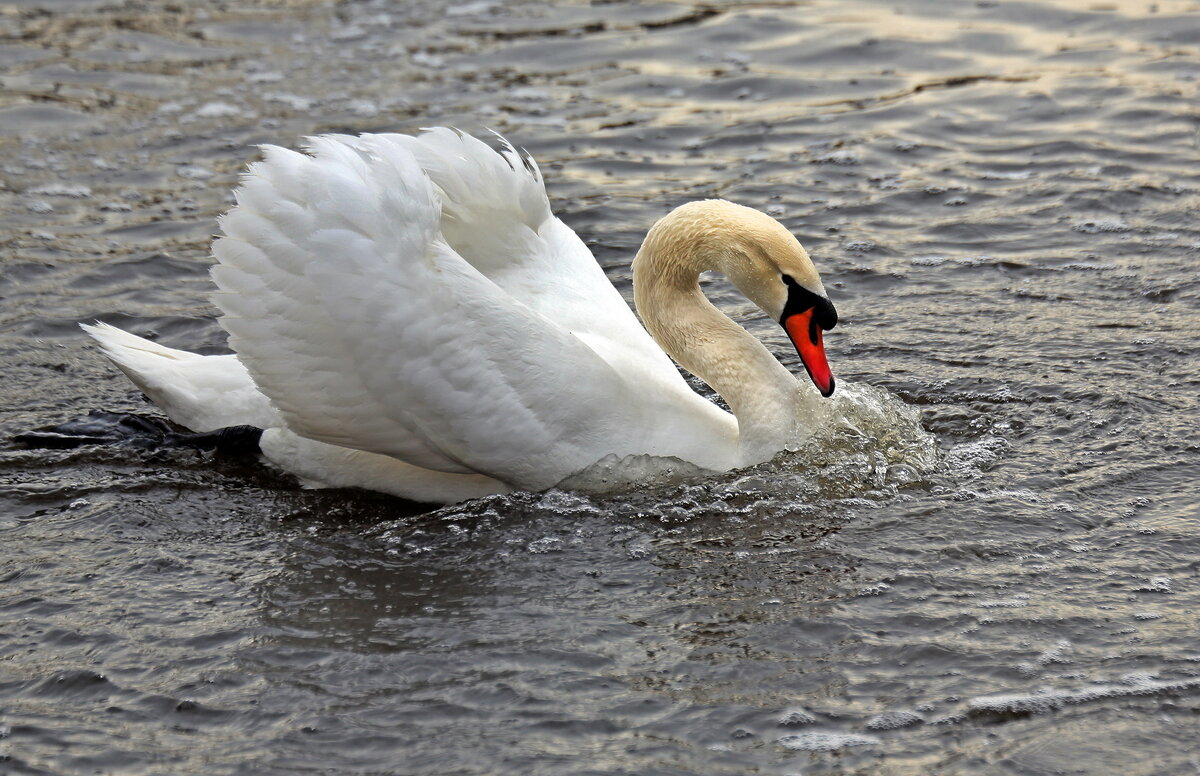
(766, 263)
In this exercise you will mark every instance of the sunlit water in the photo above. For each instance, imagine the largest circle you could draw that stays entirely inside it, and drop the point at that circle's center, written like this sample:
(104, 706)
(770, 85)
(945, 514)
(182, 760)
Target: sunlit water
(987, 564)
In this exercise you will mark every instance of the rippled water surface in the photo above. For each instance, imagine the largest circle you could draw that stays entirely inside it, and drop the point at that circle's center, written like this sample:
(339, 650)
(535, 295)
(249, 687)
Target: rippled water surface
(992, 566)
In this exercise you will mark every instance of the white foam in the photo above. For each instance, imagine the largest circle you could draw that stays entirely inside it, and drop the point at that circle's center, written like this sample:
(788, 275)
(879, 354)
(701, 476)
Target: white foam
(217, 110)
(1155, 585)
(822, 741)
(1051, 699)
(837, 157)
(293, 101)
(1059, 653)
(894, 720)
(797, 717)
(74, 191)
(1102, 225)
(1002, 603)
(1006, 175)
(969, 458)
(615, 474)
(194, 172)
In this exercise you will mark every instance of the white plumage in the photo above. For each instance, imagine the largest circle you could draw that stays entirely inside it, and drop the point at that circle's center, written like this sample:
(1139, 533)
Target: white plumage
(409, 316)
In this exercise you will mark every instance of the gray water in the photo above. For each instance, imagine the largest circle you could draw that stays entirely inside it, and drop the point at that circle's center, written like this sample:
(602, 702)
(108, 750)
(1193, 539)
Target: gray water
(1003, 200)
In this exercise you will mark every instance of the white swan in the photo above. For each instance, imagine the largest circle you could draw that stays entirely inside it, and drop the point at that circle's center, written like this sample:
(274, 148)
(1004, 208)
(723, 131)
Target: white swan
(410, 317)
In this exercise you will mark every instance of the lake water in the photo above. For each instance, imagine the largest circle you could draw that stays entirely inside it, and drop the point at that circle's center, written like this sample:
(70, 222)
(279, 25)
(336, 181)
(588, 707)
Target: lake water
(992, 567)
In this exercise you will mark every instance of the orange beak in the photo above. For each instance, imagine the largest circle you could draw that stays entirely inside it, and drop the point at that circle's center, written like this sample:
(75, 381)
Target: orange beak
(805, 334)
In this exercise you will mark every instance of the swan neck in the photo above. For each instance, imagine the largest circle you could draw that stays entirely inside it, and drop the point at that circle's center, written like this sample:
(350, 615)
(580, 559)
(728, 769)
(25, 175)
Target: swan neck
(759, 390)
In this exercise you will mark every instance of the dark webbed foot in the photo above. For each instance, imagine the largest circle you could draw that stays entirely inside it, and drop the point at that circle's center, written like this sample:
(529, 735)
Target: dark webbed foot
(141, 431)
(231, 439)
(100, 428)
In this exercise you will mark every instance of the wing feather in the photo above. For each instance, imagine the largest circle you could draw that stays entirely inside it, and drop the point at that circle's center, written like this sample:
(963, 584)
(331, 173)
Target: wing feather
(368, 329)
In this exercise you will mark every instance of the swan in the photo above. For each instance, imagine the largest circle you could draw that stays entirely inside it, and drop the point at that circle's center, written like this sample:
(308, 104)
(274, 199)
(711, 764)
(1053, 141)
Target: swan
(409, 316)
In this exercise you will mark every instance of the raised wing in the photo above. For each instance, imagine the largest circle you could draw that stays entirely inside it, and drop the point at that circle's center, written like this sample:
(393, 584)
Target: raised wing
(368, 330)
(496, 216)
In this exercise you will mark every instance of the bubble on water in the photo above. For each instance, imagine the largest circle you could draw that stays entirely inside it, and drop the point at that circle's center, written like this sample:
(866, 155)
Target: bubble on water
(217, 110)
(822, 741)
(528, 93)
(194, 172)
(562, 502)
(894, 720)
(364, 108)
(349, 33)
(969, 458)
(1059, 653)
(293, 101)
(265, 77)
(840, 157)
(470, 9)
(544, 545)
(1021, 494)
(797, 716)
(1102, 225)
(74, 191)
(1002, 603)
(1051, 699)
(1006, 175)
(1155, 585)
(425, 59)
(614, 474)
(877, 589)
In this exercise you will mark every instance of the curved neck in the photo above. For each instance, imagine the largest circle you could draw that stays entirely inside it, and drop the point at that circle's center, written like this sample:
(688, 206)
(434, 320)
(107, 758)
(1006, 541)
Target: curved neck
(761, 392)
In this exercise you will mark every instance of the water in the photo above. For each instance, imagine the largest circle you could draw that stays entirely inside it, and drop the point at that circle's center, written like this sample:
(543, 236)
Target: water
(1002, 199)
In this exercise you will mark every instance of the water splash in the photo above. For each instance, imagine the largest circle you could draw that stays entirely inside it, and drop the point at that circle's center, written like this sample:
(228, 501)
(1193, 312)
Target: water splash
(865, 447)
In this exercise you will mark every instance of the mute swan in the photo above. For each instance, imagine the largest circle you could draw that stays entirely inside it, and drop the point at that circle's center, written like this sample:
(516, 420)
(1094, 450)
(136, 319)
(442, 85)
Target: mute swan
(409, 317)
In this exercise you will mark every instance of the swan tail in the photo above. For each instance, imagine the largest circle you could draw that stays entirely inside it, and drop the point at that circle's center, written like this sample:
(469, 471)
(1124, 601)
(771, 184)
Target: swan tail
(144, 362)
(200, 393)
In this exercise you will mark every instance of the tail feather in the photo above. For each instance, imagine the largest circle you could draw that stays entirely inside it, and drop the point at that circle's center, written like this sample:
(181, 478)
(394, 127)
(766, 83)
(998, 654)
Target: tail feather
(201, 393)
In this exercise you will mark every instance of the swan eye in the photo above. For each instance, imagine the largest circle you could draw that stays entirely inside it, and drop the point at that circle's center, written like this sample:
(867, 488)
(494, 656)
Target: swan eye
(800, 299)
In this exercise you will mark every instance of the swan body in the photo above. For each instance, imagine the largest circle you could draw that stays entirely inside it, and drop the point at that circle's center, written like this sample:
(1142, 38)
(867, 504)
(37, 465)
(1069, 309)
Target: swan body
(409, 316)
